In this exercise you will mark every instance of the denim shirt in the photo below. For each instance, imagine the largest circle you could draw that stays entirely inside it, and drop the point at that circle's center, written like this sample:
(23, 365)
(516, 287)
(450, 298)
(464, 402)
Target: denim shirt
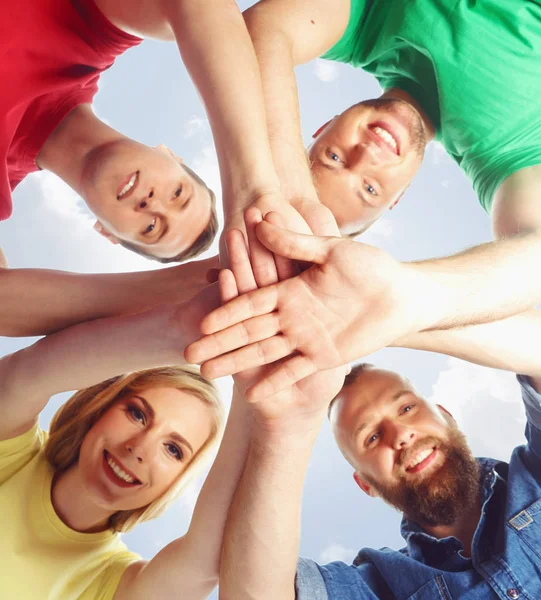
(505, 558)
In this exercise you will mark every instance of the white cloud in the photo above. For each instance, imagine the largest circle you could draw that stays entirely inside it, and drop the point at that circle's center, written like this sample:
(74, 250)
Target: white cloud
(337, 552)
(486, 404)
(195, 125)
(325, 70)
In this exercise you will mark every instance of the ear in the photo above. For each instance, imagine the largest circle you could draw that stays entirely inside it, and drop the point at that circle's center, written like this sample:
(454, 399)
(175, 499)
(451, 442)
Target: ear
(396, 201)
(364, 485)
(314, 136)
(166, 150)
(105, 233)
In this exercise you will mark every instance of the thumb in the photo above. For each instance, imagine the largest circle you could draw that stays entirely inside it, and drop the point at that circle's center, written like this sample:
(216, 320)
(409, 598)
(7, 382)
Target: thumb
(298, 246)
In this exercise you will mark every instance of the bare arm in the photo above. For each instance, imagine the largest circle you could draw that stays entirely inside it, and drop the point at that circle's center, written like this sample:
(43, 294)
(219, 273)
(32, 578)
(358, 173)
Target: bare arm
(89, 353)
(217, 51)
(38, 301)
(512, 344)
(286, 34)
(261, 542)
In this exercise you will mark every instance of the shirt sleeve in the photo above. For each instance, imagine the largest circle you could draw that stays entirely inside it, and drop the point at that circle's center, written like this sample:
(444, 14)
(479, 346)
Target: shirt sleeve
(309, 583)
(532, 404)
(17, 452)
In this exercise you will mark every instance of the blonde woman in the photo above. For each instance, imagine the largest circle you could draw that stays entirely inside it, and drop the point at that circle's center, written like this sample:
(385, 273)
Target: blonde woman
(117, 453)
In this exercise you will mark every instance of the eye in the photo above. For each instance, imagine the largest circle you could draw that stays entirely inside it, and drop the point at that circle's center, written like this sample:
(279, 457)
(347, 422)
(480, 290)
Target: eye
(178, 191)
(373, 438)
(175, 451)
(150, 228)
(333, 156)
(370, 189)
(407, 408)
(136, 414)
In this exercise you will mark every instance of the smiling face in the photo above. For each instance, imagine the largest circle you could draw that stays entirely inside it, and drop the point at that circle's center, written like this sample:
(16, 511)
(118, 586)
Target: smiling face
(364, 159)
(141, 445)
(144, 196)
(404, 450)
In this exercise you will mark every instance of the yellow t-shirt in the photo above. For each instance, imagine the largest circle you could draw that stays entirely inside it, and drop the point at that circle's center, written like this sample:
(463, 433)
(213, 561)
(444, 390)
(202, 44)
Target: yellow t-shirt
(41, 558)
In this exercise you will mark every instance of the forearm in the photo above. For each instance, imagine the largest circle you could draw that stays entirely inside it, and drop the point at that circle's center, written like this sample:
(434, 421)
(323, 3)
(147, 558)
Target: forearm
(88, 353)
(276, 64)
(39, 302)
(512, 344)
(220, 58)
(261, 540)
(485, 283)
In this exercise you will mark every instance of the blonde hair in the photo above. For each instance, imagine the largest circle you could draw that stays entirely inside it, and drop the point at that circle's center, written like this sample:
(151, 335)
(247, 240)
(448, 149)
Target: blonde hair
(77, 416)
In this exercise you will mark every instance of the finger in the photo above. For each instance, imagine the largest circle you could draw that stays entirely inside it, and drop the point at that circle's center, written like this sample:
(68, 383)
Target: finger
(262, 260)
(297, 246)
(239, 261)
(287, 374)
(254, 304)
(228, 285)
(285, 267)
(320, 219)
(245, 333)
(255, 355)
(212, 275)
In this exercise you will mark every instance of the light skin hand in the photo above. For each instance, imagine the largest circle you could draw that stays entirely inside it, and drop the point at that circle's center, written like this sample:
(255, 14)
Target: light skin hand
(329, 315)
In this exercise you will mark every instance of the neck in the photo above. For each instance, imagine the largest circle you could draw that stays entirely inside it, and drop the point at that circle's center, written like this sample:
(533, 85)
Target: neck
(463, 529)
(69, 146)
(73, 506)
(398, 94)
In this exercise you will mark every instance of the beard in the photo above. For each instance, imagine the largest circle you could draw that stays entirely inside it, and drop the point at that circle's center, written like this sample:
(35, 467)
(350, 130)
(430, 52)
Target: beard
(443, 496)
(409, 115)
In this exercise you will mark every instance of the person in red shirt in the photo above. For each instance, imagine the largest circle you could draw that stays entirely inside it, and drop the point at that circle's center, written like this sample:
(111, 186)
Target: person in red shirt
(53, 53)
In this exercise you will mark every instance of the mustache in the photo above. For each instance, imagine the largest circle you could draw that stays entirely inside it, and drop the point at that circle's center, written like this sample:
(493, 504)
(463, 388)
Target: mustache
(405, 456)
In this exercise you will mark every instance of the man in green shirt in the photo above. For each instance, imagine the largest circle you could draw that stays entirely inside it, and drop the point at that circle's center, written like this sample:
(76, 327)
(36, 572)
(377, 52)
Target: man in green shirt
(466, 74)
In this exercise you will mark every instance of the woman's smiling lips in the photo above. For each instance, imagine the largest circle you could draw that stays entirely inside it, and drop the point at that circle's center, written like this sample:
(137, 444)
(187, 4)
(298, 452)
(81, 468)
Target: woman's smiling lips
(117, 472)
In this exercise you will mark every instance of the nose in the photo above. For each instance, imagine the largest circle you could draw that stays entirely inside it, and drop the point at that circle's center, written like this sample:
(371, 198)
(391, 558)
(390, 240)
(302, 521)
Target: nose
(140, 447)
(149, 201)
(403, 438)
(367, 153)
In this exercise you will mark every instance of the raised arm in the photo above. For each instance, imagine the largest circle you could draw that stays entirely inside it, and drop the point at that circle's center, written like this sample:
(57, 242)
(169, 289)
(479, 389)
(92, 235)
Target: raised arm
(39, 301)
(512, 344)
(88, 353)
(286, 34)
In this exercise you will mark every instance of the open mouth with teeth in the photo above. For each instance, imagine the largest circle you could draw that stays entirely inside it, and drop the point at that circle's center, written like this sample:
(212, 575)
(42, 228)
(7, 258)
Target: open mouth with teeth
(127, 186)
(421, 460)
(117, 473)
(386, 136)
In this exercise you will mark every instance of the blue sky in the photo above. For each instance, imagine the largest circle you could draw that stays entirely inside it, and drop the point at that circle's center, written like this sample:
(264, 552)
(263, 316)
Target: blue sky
(148, 95)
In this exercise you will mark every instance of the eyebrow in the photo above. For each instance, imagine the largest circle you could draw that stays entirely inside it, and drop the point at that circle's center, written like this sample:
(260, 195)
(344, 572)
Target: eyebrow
(395, 398)
(174, 434)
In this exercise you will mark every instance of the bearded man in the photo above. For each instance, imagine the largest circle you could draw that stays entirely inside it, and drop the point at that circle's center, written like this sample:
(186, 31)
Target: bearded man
(470, 525)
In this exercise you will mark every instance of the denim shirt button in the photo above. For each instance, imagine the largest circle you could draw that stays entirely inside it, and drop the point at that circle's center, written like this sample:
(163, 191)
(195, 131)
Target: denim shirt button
(513, 593)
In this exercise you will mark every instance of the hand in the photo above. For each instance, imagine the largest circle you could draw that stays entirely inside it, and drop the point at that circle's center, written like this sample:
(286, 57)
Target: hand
(353, 301)
(303, 405)
(251, 267)
(264, 203)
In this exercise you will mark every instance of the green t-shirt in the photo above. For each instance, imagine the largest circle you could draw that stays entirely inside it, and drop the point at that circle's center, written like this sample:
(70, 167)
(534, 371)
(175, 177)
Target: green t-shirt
(474, 67)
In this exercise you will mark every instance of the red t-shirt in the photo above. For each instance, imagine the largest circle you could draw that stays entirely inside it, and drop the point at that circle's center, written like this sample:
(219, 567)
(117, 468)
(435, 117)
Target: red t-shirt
(52, 53)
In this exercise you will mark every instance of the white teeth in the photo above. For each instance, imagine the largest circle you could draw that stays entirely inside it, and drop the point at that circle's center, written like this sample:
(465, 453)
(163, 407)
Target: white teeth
(385, 136)
(129, 185)
(420, 457)
(118, 471)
